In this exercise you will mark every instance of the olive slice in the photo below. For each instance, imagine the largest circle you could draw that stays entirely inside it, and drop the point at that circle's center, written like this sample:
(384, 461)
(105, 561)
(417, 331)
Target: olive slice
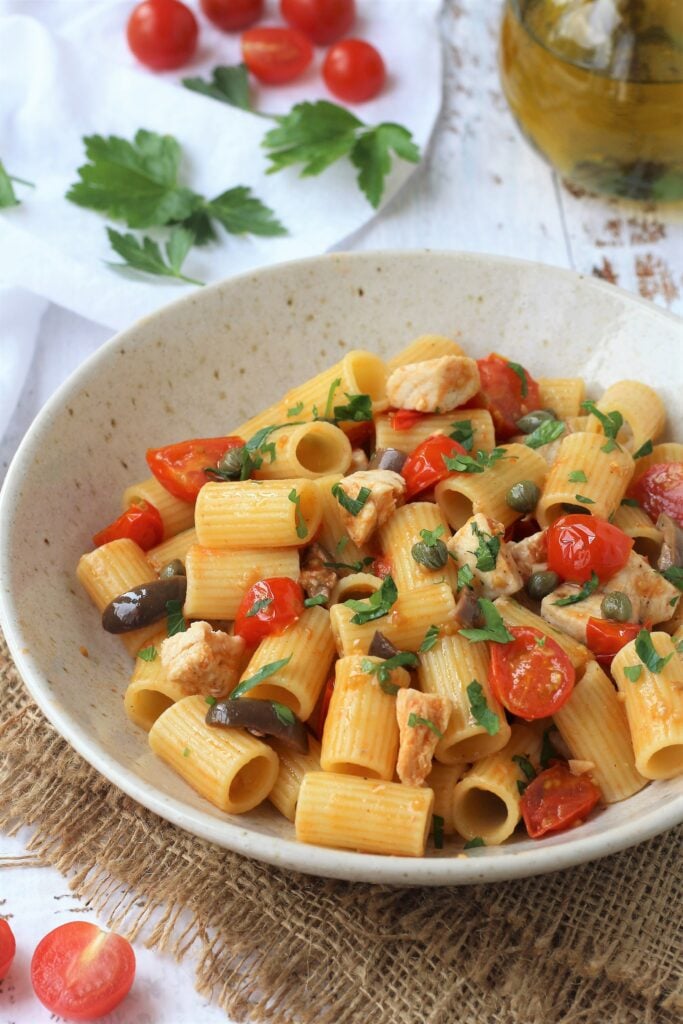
(266, 717)
(388, 458)
(381, 647)
(143, 605)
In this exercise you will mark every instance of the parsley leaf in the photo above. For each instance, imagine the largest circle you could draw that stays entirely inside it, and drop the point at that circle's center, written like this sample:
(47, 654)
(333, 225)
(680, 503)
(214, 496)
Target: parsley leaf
(430, 638)
(463, 432)
(301, 527)
(633, 672)
(284, 714)
(241, 213)
(148, 653)
(7, 194)
(318, 134)
(415, 720)
(480, 462)
(336, 383)
(229, 84)
(630, 502)
(612, 423)
(430, 537)
(186, 752)
(352, 566)
(583, 500)
(473, 843)
(521, 373)
(548, 751)
(296, 410)
(465, 577)
(258, 606)
(175, 622)
(358, 410)
(263, 673)
(146, 256)
(525, 766)
(494, 628)
(674, 575)
(383, 669)
(645, 449)
(210, 701)
(352, 505)
(545, 433)
(438, 826)
(481, 712)
(377, 605)
(487, 551)
(311, 602)
(589, 587)
(645, 650)
(577, 476)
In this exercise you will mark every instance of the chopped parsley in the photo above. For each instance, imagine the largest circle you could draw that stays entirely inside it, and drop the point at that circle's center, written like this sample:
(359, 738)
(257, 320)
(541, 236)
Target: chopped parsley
(438, 826)
(545, 433)
(645, 449)
(645, 650)
(175, 622)
(430, 537)
(521, 373)
(263, 673)
(487, 551)
(548, 751)
(330, 397)
(258, 606)
(352, 566)
(377, 605)
(296, 410)
(540, 640)
(463, 433)
(481, 712)
(577, 476)
(383, 669)
(583, 500)
(358, 410)
(210, 701)
(473, 843)
(148, 653)
(589, 587)
(186, 752)
(352, 505)
(527, 770)
(284, 714)
(415, 720)
(341, 544)
(301, 527)
(612, 423)
(633, 672)
(311, 602)
(467, 464)
(465, 577)
(494, 628)
(430, 638)
(630, 502)
(674, 575)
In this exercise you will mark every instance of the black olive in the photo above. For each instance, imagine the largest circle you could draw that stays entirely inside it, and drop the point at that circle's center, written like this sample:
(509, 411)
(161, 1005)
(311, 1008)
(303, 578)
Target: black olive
(266, 717)
(388, 458)
(174, 568)
(381, 647)
(523, 496)
(540, 584)
(143, 605)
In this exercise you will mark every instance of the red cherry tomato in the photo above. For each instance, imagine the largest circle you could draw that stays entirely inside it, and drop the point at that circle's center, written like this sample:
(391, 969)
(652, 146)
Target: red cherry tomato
(232, 15)
(354, 71)
(276, 55)
(181, 468)
(660, 489)
(425, 466)
(606, 638)
(268, 608)
(323, 21)
(532, 676)
(323, 708)
(579, 545)
(502, 394)
(555, 799)
(162, 34)
(404, 419)
(7, 947)
(81, 972)
(141, 523)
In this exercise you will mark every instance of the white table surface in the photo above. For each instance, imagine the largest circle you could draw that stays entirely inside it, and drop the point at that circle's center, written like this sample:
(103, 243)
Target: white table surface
(482, 189)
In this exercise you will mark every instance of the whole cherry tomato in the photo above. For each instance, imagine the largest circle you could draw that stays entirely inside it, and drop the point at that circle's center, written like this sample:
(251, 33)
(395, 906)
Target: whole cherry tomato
(141, 523)
(660, 489)
(162, 34)
(555, 799)
(276, 55)
(579, 545)
(232, 15)
(504, 395)
(404, 419)
(181, 468)
(425, 466)
(80, 972)
(323, 21)
(354, 71)
(606, 638)
(268, 608)
(8, 947)
(532, 676)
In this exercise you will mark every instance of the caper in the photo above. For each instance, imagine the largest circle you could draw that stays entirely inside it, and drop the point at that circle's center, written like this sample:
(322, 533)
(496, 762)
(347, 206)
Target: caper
(230, 463)
(174, 568)
(542, 583)
(523, 496)
(432, 556)
(527, 424)
(617, 606)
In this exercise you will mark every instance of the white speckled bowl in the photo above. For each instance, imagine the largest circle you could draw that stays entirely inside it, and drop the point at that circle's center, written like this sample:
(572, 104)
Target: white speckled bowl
(206, 363)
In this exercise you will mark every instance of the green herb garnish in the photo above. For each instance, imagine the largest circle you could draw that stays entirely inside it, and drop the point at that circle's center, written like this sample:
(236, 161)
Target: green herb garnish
(633, 672)
(487, 551)
(383, 669)
(415, 720)
(465, 577)
(284, 714)
(352, 566)
(612, 423)
(186, 752)
(336, 383)
(296, 410)
(145, 255)
(229, 84)
(588, 588)
(148, 653)
(548, 751)
(463, 433)
(494, 629)
(358, 410)
(674, 575)
(7, 194)
(481, 712)
(583, 500)
(645, 650)
(258, 606)
(175, 623)
(467, 464)
(545, 433)
(301, 527)
(429, 640)
(263, 673)
(438, 826)
(630, 502)
(352, 505)
(521, 373)
(311, 602)
(645, 449)
(210, 701)
(377, 605)
(577, 476)
(472, 844)
(527, 769)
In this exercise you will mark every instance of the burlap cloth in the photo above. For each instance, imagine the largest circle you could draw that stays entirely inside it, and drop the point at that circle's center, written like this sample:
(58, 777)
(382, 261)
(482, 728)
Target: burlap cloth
(600, 944)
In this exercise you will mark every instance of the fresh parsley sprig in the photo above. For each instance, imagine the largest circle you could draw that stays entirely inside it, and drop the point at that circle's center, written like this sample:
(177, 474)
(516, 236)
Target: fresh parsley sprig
(477, 464)
(479, 709)
(487, 549)
(463, 432)
(383, 669)
(494, 628)
(175, 621)
(518, 369)
(612, 423)
(545, 433)
(378, 604)
(674, 575)
(429, 640)
(647, 653)
(589, 587)
(352, 505)
(145, 255)
(263, 673)
(228, 84)
(8, 196)
(415, 720)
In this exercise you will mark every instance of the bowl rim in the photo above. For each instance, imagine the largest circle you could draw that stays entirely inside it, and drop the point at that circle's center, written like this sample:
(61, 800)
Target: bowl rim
(486, 865)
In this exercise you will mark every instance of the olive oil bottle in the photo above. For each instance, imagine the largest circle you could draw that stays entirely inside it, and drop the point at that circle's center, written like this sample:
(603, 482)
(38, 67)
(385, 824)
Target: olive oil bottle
(597, 87)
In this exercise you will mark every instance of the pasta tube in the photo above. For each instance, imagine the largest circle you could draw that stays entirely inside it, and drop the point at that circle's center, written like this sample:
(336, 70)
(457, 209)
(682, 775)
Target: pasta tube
(218, 578)
(150, 691)
(293, 766)
(252, 514)
(637, 524)
(176, 515)
(427, 346)
(607, 477)
(397, 537)
(669, 451)
(332, 532)
(306, 451)
(515, 614)
(642, 408)
(176, 547)
(358, 373)
(356, 587)
(563, 395)
(405, 625)
(479, 420)
(442, 781)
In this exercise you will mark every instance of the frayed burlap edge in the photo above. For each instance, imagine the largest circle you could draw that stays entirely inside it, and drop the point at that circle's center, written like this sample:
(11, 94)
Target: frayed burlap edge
(601, 943)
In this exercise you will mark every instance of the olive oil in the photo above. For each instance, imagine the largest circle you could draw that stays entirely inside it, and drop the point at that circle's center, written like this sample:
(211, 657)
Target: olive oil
(597, 87)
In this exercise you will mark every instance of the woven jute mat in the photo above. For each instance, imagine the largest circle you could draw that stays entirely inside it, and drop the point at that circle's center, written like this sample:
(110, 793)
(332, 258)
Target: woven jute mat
(600, 944)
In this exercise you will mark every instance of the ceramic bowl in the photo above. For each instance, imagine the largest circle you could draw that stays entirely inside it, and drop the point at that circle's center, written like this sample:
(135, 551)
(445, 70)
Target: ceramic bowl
(203, 365)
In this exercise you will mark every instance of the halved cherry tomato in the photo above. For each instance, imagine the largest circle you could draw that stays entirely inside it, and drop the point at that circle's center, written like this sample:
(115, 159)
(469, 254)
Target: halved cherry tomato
(8, 947)
(381, 567)
(81, 972)
(276, 55)
(268, 608)
(323, 707)
(555, 799)
(232, 15)
(323, 21)
(404, 419)
(532, 676)
(181, 468)
(579, 545)
(606, 638)
(354, 71)
(521, 529)
(162, 34)
(660, 489)
(425, 465)
(141, 523)
(502, 394)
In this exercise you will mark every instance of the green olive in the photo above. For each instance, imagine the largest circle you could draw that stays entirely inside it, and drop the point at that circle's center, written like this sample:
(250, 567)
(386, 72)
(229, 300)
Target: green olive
(540, 584)
(523, 496)
(527, 424)
(616, 606)
(230, 464)
(174, 568)
(432, 556)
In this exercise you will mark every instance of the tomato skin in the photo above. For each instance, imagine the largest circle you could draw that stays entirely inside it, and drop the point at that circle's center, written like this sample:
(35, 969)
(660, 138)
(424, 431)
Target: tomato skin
(555, 799)
(323, 21)
(579, 545)
(660, 489)
(141, 523)
(80, 972)
(404, 419)
(162, 34)
(354, 71)
(232, 15)
(286, 603)
(520, 675)
(425, 465)
(276, 55)
(8, 947)
(606, 638)
(501, 394)
(180, 468)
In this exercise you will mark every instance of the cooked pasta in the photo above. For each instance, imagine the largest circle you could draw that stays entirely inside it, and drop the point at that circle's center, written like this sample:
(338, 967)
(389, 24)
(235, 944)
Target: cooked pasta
(176, 515)
(605, 478)
(218, 578)
(563, 395)
(246, 514)
(478, 421)
(427, 346)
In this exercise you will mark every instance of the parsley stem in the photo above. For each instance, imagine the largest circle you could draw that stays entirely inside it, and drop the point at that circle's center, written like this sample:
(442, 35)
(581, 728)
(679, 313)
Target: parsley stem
(21, 181)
